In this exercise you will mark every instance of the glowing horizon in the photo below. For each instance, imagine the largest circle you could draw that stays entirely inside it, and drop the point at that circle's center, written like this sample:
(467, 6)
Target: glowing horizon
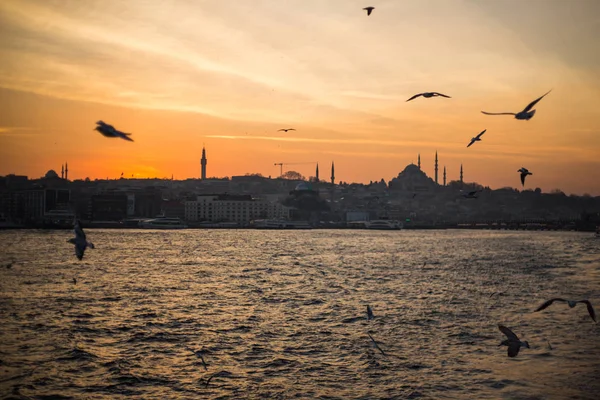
(229, 75)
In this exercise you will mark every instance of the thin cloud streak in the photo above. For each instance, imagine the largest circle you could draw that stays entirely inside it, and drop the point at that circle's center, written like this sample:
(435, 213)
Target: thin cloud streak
(17, 131)
(315, 140)
(503, 151)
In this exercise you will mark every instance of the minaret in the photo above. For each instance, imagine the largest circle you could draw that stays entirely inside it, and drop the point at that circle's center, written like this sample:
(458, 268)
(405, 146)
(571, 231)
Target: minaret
(203, 164)
(436, 168)
(419, 161)
(66, 171)
(444, 175)
(62, 171)
(332, 174)
(461, 174)
(317, 173)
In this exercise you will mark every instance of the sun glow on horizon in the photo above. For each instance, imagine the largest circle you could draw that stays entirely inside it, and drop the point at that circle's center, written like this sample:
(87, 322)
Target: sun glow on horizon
(179, 75)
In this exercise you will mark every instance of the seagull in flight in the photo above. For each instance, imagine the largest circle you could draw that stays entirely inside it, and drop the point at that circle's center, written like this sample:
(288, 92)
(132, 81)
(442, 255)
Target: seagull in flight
(285, 130)
(524, 172)
(110, 131)
(428, 95)
(571, 303)
(527, 112)
(220, 373)
(471, 195)
(199, 355)
(376, 345)
(476, 138)
(369, 10)
(370, 314)
(513, 342)
(80, 240)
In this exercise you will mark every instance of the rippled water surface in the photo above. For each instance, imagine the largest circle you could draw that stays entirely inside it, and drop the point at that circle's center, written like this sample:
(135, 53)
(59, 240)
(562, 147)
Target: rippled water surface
(281, 314)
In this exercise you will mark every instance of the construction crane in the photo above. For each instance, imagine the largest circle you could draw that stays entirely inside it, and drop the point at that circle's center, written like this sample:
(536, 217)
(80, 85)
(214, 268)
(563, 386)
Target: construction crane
(281, 164)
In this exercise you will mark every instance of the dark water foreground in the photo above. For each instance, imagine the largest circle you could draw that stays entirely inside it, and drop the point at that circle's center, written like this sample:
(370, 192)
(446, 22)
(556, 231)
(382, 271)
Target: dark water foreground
(280, 314)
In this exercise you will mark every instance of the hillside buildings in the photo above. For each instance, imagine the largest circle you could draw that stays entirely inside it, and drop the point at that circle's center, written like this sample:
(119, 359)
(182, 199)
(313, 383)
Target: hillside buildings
(411, 196)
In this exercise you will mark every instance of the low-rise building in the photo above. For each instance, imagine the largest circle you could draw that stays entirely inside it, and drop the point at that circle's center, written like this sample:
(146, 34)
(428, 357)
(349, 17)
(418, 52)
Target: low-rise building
(233, 208)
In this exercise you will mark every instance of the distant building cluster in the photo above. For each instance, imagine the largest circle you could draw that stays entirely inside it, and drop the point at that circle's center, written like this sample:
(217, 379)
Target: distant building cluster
(233, 208)
(411, 196)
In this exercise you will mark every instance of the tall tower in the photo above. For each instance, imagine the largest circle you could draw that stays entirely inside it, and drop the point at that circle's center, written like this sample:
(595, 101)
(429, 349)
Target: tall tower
(419, 161)
(436, 168)
(332, 174)
(317, 173)
(444, 175)
(66, 171)
(203, 164)
(461, 174)
(62, 171)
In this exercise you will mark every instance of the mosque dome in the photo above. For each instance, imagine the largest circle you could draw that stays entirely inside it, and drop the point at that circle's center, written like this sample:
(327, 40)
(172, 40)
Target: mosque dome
(303, 186)
(412, 169)
(51, 174)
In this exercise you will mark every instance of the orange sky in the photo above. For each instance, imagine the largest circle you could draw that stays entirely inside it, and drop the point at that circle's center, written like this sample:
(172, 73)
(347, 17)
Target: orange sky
(228, 74)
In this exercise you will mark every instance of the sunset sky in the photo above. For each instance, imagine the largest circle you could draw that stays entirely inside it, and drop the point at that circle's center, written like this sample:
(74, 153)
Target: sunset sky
(227, 74)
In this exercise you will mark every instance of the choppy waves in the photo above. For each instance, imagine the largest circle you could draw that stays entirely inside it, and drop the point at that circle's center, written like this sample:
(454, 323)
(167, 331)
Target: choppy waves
(282, 314)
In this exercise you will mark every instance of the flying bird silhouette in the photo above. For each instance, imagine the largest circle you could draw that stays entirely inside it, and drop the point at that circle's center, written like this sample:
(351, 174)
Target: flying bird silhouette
(527, 112)
(524, 172)
(471, 194)
(476, 138)
(370, 314)
(369, 10)
(571, 303)
(427, 95)
(376, 345)
(80, 241)
(110, 131)
(513, 342)
(285, 130)
(220, 373)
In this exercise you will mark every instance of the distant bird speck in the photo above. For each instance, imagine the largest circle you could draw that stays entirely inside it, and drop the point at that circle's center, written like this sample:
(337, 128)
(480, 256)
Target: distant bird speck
(220, 373)
(74, 281)
(199, 355)
(471, 194)
(369, 10)
(526, 114)
(376, 345)
(286, 129)
(427, 95)
(370, 314)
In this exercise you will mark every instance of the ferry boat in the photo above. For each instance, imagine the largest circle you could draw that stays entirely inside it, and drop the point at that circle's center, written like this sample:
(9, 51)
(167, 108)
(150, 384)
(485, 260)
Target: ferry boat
(280, 224)
(384, 224)
(162, 223)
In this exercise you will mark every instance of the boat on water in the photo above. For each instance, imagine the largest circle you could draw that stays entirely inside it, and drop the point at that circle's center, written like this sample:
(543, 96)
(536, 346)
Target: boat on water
(163, 223)
(384, 224)
(280, 224)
